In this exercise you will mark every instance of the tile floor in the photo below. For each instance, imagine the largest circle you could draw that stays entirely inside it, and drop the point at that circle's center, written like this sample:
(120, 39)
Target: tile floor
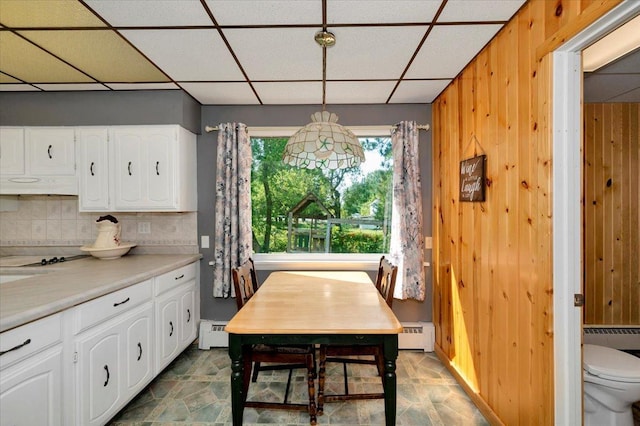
(195, 390)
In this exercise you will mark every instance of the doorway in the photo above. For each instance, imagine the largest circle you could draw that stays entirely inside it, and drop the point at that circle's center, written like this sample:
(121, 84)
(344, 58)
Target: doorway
(567, 217)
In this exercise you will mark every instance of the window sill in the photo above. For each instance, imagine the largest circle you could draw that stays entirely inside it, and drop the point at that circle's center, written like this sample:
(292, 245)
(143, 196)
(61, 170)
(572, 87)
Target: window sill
(317, 262)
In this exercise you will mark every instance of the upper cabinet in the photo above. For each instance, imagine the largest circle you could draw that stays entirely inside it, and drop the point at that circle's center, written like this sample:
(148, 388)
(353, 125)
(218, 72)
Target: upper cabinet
(137, 168)
(51, 151)
(11, 151)
(38, 160)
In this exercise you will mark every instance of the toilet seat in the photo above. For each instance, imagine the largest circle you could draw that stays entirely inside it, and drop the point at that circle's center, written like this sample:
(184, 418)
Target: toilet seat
(611, 364)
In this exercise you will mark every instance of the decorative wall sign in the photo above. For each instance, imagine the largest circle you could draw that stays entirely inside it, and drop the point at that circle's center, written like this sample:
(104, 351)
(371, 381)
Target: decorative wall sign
(472, 178)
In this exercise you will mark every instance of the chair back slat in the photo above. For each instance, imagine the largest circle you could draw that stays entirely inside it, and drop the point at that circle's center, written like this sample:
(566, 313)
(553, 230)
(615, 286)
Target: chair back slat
(245, 282)
(386, 280)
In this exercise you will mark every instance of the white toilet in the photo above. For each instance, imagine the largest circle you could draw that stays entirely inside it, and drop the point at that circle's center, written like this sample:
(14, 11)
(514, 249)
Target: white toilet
(611, 386)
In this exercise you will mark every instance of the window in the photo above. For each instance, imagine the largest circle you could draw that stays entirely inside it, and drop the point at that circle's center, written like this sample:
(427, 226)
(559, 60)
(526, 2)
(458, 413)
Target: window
(299, 211)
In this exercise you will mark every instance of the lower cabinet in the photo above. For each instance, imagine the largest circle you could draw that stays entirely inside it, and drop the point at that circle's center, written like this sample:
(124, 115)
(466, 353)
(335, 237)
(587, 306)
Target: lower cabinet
(31, 391)
(114, 364)
(175, 323)
(83, 365)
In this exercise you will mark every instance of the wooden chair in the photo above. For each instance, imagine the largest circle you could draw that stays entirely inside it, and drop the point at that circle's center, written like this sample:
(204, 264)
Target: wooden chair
(282, 357)
(385, 283)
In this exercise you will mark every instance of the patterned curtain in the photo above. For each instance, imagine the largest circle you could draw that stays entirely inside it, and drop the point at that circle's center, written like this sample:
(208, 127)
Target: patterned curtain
(406, 223)
(233, 205)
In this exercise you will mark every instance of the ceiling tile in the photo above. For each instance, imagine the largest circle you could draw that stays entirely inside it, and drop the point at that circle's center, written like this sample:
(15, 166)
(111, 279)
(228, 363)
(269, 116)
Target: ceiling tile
(145, 13)
(437, 58)
(358, 11)
(266, 12)
(18, 88)
(46, 13)
(479, 10)
(371, 53)
(4, 78)
(187, 55)
(290, 93)
(71, 87)
(365, 92)
(143, 86)
(277, 53)
(221, 93)
(29, 63)
(418, 91)
(114, 61)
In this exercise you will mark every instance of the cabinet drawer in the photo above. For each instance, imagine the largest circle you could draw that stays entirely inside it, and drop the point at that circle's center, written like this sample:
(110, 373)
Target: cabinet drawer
(110, 305)
(21, 342)
(174, 278)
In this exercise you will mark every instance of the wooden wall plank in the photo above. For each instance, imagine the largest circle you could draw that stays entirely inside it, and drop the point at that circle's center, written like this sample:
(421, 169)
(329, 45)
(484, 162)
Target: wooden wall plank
(611, 210)
(493, 288)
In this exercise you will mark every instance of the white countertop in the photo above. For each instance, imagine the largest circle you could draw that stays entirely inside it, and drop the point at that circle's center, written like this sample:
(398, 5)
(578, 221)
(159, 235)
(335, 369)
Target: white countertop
(58, 287)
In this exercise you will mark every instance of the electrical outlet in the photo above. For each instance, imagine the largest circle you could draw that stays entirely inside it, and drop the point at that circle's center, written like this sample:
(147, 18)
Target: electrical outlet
(204, 241)
(144, 227)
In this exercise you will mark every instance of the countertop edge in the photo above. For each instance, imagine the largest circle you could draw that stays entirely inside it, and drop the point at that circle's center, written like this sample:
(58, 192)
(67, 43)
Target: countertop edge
(8, 322)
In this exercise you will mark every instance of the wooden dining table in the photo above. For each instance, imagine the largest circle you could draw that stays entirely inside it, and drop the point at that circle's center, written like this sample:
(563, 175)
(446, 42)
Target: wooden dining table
(315, 307)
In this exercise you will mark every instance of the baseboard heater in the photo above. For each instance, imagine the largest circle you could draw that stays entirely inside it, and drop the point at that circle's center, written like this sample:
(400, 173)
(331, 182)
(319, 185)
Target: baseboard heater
(620, 337)
(416, 335)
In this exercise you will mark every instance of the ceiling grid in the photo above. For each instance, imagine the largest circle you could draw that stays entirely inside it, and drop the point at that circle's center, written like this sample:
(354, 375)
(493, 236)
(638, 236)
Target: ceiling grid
(247, 51)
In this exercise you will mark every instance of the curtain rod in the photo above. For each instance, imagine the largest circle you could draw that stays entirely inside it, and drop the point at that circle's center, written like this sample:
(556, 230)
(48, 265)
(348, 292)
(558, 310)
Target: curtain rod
(284, 130)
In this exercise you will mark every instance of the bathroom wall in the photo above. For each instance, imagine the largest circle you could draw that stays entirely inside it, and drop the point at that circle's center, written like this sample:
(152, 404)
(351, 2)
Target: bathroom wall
(43, 220)
(612, 214)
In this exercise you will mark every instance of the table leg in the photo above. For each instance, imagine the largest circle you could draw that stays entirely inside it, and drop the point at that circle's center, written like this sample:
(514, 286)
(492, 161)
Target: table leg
(389, 382)
(237, 374)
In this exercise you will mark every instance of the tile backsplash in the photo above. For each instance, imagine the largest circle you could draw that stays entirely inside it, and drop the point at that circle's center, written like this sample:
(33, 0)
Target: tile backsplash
(51, 220)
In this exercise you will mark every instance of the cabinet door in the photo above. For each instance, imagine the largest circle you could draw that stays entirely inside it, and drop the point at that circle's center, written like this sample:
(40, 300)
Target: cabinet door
(139, 351)
(100, 377)
(161, 173)
(51, 150)
(167, 329)
(129, 168)
(11, 151)
(31, 391)
(93, 168)
(187, 323)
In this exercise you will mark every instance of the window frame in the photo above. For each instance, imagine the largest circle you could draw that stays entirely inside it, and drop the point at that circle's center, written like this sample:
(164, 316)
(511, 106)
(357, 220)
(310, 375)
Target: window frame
(317, 261)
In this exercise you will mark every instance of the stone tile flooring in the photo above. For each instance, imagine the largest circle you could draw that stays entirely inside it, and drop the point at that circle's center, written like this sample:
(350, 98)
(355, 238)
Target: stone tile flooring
(195, 390)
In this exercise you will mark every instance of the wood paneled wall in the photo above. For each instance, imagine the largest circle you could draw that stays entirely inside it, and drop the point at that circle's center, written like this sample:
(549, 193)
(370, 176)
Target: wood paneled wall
(493, 289)
(612, 214)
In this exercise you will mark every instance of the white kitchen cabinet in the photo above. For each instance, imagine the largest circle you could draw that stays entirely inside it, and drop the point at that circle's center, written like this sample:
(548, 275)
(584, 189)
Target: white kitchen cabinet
(31, 391)
(93, 168)
(154, 168)
(114, 362)
(11, 150)
(38, 160)
(175, 314)
(50, 150)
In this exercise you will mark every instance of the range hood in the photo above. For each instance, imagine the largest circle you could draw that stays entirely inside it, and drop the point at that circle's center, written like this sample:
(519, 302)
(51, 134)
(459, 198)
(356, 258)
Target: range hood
(48, 185)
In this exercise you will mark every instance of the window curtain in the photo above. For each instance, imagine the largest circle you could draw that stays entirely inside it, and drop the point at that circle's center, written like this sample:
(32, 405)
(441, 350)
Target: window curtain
(232, 242)
(407, 244)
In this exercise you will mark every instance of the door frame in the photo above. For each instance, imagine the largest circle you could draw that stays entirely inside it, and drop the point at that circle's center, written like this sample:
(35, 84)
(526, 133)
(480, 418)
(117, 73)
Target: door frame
(567, 211)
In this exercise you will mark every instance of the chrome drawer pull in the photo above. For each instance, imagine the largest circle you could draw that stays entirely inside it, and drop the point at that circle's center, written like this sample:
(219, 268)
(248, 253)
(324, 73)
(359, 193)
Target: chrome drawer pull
(181, 276)
(121, 303)
(15, 348)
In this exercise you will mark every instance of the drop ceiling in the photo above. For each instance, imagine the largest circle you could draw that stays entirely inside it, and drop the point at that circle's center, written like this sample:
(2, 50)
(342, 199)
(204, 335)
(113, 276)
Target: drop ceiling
(247, 51)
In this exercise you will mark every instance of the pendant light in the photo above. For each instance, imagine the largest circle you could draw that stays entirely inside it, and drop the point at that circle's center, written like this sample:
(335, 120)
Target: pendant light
(323, 143)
